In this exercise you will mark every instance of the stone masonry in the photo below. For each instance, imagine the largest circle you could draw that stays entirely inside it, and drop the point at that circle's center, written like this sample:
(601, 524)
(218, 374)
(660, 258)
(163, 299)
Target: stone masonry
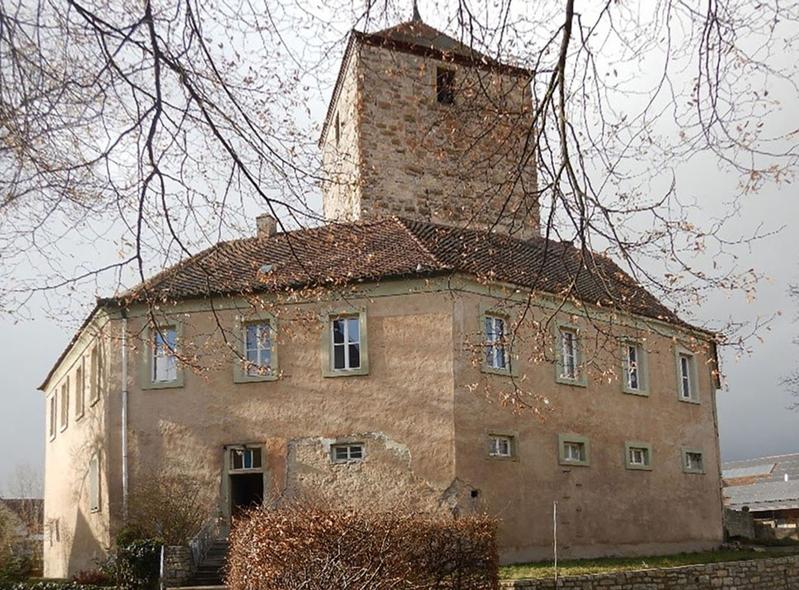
(392, 149)
(781, 573)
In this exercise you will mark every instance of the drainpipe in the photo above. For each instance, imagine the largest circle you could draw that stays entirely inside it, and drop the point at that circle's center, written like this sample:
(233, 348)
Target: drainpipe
(124, 416)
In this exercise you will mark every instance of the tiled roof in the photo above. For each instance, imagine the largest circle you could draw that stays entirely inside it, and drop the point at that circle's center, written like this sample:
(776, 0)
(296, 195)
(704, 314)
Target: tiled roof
(769, 495)
(417, 32)
(773, 468)
(346, 253)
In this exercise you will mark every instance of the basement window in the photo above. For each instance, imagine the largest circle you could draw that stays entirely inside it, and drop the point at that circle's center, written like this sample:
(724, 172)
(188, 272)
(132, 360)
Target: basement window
(445, 86)
(347, 453)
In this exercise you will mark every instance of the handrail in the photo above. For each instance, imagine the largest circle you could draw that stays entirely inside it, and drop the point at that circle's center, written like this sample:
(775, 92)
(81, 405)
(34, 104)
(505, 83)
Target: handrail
(201, 542)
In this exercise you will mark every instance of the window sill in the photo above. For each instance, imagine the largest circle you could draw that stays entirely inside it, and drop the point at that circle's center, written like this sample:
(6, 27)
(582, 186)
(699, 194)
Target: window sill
(638, 467)
(567, 463)
(635, 392)
(696, 402)
(255, 378)
(164, 385)
(512, 458)
(51, 438)
(94, 401)
(62, 428)
(346, 372)
(347, 461)
(495, 371)
(693, 472)
(572, 382)
(80, 416)
(94, 511)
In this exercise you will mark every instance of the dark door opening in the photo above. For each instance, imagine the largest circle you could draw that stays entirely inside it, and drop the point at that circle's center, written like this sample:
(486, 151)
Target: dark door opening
(246, 491)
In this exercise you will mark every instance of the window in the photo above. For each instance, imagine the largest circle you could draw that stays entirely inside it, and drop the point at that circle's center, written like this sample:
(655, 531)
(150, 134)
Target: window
(258, 348)
(494, 334)
(346, 343)
(634, 378)
(65, 403)
(445, 86)
(574, 450)
(94, 483)
(686, 376)
(338, 129)
(95, 375)
(501, 445)
(693, 461)
(79, 390)
(344, 453)
(53, 416)
(344, 348)
(243, 459)
(638, 455)
(568, 355)
(164, 365)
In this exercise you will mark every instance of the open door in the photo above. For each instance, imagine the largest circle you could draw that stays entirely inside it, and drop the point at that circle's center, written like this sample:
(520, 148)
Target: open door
(244, 479)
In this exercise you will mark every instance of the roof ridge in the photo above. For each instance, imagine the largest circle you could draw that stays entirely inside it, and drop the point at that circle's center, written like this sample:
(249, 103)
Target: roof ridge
(404, 223)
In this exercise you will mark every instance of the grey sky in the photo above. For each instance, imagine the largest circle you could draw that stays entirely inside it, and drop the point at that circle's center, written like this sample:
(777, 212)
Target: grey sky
(753, 414)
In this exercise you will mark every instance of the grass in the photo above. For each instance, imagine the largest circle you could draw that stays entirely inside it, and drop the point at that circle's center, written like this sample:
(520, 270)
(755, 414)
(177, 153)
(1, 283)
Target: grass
(577, 567)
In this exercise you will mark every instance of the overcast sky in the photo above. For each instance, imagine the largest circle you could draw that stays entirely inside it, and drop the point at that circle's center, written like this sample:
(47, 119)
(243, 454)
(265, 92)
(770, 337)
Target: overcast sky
(753, 409)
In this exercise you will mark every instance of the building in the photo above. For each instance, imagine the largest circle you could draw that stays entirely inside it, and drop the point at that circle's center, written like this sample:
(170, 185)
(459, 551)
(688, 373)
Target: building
(379, 358)
(767, 488)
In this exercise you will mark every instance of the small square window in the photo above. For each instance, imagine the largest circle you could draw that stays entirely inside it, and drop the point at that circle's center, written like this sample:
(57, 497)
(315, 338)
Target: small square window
(574, 450)
(244, 459)
(501, 445)
(346, 453)
(445, 86)
(693, 461)
(638, 455)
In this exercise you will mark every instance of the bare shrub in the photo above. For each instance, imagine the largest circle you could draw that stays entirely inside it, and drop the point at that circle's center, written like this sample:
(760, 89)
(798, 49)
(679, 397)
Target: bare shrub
(169, 507)
(303, 545)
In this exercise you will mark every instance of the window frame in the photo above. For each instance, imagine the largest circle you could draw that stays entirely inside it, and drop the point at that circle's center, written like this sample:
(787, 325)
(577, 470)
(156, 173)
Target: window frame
(80, 389)
(52, 410)
(150, 332)
(628, 463)
(327, 355)
(448, 74)
(95, 497)
(63, 415)
(348, 445)
(693, 375)
(511, 367)
(240, 374)
(643, 367)
(512, 438)
(96, 374)
(566, 438)
(580, 378)
(244, 448)
(684, 452)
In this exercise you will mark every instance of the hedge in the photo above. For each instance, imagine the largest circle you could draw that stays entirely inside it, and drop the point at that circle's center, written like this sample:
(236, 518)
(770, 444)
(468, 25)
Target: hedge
(304, 546)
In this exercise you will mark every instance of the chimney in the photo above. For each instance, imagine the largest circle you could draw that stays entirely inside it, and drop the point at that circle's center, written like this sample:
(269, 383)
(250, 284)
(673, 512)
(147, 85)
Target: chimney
(266, 225)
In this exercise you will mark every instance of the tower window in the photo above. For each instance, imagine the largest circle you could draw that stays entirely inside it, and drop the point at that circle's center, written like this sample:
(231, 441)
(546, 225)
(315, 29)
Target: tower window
(445, 86)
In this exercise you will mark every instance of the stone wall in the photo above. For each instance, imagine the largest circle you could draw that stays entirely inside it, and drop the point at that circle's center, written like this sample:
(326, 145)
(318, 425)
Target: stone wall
(738, 523)
(178, 565)
(780, 573)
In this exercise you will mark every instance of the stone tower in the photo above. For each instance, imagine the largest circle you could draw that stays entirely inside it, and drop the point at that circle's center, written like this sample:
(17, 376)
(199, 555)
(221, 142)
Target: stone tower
(424, 127)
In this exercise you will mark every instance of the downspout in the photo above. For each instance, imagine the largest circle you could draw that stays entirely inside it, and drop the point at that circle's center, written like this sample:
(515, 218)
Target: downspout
(124, 416)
